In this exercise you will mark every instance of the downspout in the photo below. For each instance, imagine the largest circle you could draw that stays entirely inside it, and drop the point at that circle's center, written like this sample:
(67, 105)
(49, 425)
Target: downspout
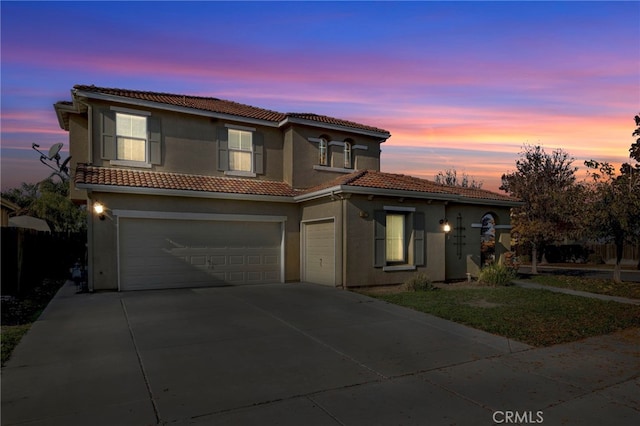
(90, 242)
(89, 131)
(344, 242)
(90, 216)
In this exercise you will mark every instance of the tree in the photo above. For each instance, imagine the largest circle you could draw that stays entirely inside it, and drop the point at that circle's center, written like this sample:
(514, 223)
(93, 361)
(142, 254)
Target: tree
(546, 184)
(616, 202)
(49, 200)
(449, 177)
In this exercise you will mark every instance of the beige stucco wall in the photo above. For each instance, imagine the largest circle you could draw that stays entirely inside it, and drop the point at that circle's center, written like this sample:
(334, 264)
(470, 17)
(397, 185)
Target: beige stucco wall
(360, 269)
(79, 152)
(189, 143)
(304, 155)
(102, 235)
(465, 257)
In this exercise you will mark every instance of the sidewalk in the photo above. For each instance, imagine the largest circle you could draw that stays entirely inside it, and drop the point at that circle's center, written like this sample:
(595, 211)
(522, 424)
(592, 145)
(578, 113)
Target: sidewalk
(525, 284)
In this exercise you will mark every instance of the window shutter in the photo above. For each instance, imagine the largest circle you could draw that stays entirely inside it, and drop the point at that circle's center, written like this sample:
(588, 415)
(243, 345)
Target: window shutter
(107, 135)
(258, 153)
(379, 237)
(155, 140)
(418, 238)
(223, 149)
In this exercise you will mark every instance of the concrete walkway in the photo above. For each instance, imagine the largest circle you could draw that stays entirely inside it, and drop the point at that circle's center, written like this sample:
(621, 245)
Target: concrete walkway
(527, 284)
(292, 354)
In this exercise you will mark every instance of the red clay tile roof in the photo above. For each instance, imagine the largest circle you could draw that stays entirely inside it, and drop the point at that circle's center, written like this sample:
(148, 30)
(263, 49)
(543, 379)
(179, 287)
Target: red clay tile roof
(92, 175)
(121, 177)
(335, 121)
(196, 102)
(391, 181)
(222, 106)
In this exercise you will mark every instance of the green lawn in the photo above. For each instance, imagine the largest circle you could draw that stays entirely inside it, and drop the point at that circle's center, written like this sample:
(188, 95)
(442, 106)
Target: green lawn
(535, 317)
(592, 285)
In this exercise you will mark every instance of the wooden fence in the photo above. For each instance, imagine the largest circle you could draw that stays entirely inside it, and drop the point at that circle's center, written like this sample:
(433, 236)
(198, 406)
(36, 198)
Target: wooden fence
(630, 253)
(30, 256)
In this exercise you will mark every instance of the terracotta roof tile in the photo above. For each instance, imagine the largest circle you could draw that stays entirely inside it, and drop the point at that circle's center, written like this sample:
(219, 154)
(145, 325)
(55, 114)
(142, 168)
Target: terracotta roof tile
(92, 175)
(222, 106)
(335, 121)
(196, 102)
(391, 181)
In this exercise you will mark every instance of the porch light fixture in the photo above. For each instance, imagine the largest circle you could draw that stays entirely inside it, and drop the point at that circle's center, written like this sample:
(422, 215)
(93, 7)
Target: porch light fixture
(99, 209)
(445, 225)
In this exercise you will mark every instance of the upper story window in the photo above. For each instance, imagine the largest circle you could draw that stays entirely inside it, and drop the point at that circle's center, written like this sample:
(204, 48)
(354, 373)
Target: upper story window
(240, 150)
(347, 155)
(128, 137)
(322, 151)
(131, 137)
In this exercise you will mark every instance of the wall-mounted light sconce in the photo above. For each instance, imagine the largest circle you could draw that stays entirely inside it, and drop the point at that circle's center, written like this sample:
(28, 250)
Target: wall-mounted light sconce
(445, 225)
(100, 210)
(363, 214)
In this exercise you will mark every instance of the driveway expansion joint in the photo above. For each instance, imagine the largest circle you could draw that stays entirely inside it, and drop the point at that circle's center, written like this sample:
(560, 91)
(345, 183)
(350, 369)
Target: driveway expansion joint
(156, 411)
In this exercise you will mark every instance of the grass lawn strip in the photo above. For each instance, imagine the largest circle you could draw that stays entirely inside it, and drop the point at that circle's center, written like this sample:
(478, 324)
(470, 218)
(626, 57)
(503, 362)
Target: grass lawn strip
(10, 336)
(630, 290)
(536, 317)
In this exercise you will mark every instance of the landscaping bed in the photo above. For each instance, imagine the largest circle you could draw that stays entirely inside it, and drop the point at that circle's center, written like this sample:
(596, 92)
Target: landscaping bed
(536, 317)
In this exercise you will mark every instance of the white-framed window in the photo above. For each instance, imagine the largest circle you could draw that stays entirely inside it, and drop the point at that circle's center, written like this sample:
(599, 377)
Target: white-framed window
(322, 152)
(395, 241)
(347, 155)
(240, 150)
(131, 137)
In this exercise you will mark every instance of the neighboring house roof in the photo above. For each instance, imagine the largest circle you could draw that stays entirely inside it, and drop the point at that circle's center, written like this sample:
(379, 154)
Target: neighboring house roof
(363, 181)
(8, 205)
(29, 223)
(210, 105)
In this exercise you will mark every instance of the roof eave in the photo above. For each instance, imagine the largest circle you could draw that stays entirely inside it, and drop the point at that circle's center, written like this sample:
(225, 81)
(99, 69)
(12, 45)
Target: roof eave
(184, 193)
(404, 194)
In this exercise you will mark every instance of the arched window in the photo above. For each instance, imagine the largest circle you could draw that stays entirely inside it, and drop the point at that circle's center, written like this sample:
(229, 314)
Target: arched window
(347, 155)
(488, 240)
(322, 151)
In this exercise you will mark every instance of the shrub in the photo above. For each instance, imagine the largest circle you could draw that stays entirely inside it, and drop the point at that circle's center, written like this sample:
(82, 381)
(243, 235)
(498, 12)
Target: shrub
(418, 282)
(497, 275)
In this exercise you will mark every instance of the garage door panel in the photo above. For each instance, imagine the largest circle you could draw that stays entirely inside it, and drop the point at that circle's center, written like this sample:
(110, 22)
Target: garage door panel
(164, 253)
(319, 262)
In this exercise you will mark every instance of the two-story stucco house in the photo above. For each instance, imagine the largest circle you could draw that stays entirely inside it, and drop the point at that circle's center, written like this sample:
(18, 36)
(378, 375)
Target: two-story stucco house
(200, 191)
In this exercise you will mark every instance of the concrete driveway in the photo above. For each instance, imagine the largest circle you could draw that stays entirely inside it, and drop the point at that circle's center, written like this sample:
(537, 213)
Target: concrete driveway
(292, 354)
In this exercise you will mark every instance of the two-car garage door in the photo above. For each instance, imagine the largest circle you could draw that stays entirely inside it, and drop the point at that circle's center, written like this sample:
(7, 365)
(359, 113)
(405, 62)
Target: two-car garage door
(171, 253)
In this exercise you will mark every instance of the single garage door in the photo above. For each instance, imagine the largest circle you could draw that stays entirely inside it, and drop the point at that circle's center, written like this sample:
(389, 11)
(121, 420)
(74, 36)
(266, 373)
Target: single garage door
(319, 252)
(172, 253)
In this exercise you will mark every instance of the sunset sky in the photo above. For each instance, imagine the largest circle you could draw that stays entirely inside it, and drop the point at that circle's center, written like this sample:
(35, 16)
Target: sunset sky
(459, 85)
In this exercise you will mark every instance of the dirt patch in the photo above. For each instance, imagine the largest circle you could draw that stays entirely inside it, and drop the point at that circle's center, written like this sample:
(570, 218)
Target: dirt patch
(483, 303)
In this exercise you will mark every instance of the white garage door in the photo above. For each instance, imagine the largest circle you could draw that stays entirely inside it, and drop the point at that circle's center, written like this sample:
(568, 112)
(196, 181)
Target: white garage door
(171, 253)
(319, 253)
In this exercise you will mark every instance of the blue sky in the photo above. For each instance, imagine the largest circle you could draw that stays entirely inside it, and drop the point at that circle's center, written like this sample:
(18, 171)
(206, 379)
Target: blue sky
(458, 84)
